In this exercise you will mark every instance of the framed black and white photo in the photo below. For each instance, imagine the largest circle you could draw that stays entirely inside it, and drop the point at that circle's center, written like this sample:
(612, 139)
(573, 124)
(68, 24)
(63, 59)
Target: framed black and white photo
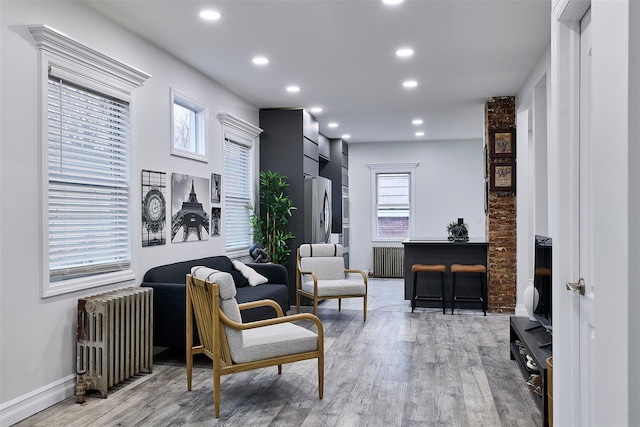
(216, 187)
(154, 208)
(216, 214)
(189, 208)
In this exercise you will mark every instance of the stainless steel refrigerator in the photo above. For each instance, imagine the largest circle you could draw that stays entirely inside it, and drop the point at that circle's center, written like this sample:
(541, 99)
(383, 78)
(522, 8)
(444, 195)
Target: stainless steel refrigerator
(317, 209)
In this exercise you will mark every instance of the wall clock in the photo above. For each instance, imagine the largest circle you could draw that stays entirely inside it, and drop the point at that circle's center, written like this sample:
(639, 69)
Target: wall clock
(154, 210)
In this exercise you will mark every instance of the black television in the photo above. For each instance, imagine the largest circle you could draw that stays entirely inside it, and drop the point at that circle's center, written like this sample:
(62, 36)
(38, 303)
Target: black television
(542, 281)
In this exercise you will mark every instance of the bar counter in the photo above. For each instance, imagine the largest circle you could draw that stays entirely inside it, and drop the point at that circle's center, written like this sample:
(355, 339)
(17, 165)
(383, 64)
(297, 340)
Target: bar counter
(442, 251)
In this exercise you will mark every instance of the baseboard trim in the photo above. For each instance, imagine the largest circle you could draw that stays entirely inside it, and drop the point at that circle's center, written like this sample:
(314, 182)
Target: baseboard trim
(33, 402)
(521, 310)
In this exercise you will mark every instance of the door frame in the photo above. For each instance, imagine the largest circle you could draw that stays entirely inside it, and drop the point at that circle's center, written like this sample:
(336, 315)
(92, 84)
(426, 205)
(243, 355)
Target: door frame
(564, 184)
(614, 131)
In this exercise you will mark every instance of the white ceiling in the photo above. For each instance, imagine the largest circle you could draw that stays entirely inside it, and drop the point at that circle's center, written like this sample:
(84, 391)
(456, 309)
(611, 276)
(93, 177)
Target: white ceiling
(342, 55)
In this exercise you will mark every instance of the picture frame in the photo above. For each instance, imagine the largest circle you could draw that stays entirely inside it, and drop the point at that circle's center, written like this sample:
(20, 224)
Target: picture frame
(502, 143)
(503, 176)
(216, 187)
(189, 208)
(486, 197)
(154, 208)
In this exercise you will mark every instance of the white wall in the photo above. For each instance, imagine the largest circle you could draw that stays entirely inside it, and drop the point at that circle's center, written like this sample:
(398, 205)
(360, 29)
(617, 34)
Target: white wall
(533, 199)
(449, 185)
(37, 336)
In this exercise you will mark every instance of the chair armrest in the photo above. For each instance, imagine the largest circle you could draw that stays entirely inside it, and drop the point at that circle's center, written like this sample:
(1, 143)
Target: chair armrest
(315, 280)
(262, 303)
(272, 321)
(364, 275)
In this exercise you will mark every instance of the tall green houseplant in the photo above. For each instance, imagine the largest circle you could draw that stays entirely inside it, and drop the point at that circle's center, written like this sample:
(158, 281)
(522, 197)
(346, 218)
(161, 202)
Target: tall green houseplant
(270, 219)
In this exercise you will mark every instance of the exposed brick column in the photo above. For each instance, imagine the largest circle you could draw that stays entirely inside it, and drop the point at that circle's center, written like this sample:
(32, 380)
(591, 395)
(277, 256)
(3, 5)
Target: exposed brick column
(500, 113)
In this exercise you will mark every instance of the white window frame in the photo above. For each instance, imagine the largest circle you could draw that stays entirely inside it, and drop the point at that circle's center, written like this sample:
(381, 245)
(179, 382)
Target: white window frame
(64, 57)
(242, 132)
(199, 151)
(392, 168)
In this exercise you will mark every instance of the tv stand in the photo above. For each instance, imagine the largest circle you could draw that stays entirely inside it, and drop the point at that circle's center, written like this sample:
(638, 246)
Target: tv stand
(537, 342)
(536, 326)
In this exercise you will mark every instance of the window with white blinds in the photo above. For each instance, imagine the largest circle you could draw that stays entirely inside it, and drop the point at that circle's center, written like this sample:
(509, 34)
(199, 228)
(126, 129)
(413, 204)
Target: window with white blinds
(88, 168)
(238, 195)
(393, 207)
(392, 201)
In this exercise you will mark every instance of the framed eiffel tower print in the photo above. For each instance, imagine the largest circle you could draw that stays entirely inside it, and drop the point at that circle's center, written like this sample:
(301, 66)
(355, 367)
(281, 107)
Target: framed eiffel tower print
(189, 208)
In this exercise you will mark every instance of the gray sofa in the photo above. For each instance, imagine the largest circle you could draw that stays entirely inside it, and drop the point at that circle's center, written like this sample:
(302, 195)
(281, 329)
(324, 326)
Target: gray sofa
(169, 295)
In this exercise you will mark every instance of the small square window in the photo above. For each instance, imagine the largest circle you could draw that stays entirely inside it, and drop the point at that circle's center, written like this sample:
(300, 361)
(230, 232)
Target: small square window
(188, 119)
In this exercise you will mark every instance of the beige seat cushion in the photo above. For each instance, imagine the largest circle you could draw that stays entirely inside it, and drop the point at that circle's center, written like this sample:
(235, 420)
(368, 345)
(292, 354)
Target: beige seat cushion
(275, 340)
(330, 288)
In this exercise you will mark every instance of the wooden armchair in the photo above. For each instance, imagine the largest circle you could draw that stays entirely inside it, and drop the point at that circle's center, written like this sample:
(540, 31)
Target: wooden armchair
(321, 275)
(235, 346)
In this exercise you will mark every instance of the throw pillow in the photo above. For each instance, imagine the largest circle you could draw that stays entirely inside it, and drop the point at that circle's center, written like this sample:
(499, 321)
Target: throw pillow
(252, 276)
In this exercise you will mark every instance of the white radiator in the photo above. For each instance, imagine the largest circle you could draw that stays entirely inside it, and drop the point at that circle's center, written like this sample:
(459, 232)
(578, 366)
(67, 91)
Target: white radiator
(388, 261)
(115, 338)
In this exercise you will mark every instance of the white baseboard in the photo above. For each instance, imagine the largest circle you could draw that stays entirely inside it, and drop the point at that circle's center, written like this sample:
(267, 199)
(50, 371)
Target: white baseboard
(521, 310)
(33, 402)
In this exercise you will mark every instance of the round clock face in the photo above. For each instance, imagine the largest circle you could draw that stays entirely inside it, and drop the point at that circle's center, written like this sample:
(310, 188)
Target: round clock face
(154, 206)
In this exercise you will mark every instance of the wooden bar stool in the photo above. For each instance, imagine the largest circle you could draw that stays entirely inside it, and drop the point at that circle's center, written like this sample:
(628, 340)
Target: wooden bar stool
(479, 269)
(427, 268)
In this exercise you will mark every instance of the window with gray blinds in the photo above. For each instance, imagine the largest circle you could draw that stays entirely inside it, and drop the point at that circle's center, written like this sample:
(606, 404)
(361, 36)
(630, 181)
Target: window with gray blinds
(238, 179)
(88, 152)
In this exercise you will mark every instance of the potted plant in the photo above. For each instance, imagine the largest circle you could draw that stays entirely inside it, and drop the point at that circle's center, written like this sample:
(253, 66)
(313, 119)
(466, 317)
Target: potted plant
(270, 218)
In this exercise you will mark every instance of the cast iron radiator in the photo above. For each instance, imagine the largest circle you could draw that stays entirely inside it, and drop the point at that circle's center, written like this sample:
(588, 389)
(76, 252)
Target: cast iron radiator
(115, 338)
(388, 261)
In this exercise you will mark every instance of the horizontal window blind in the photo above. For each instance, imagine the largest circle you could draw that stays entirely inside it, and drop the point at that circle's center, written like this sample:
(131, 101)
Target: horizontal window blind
(392, 207)
(238, 181)
(88, 152)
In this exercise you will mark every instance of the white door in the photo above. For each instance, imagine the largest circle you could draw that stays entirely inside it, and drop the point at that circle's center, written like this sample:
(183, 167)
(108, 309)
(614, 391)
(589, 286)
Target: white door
(591, 116)
(587, 295)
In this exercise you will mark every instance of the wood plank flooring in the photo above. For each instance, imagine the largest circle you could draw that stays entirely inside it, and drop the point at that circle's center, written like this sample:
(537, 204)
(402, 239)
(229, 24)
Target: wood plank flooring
(396, 369)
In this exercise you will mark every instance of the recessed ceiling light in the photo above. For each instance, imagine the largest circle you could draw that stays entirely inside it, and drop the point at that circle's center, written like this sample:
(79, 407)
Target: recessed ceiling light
(419, 133)
(333, 125)
(210, 15)
(293, 89)
(417, 121)
(346, 136)
(260, 60)
(392, 1)
(404, 52)
(316, 110)
(410, 83)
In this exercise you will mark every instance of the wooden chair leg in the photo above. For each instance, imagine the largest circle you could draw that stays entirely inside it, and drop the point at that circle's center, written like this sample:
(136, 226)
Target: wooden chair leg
(189, 367)
(364, 308)
(280, 369)
(297, 302)
(339, 304)
(216, 391)
(315, 305)
(320, 376)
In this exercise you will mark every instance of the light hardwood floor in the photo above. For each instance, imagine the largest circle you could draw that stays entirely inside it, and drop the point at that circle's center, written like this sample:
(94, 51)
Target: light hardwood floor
(395, 369)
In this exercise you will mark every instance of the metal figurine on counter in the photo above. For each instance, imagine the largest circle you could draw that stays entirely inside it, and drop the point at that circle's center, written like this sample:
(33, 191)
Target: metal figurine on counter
(458, 232)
